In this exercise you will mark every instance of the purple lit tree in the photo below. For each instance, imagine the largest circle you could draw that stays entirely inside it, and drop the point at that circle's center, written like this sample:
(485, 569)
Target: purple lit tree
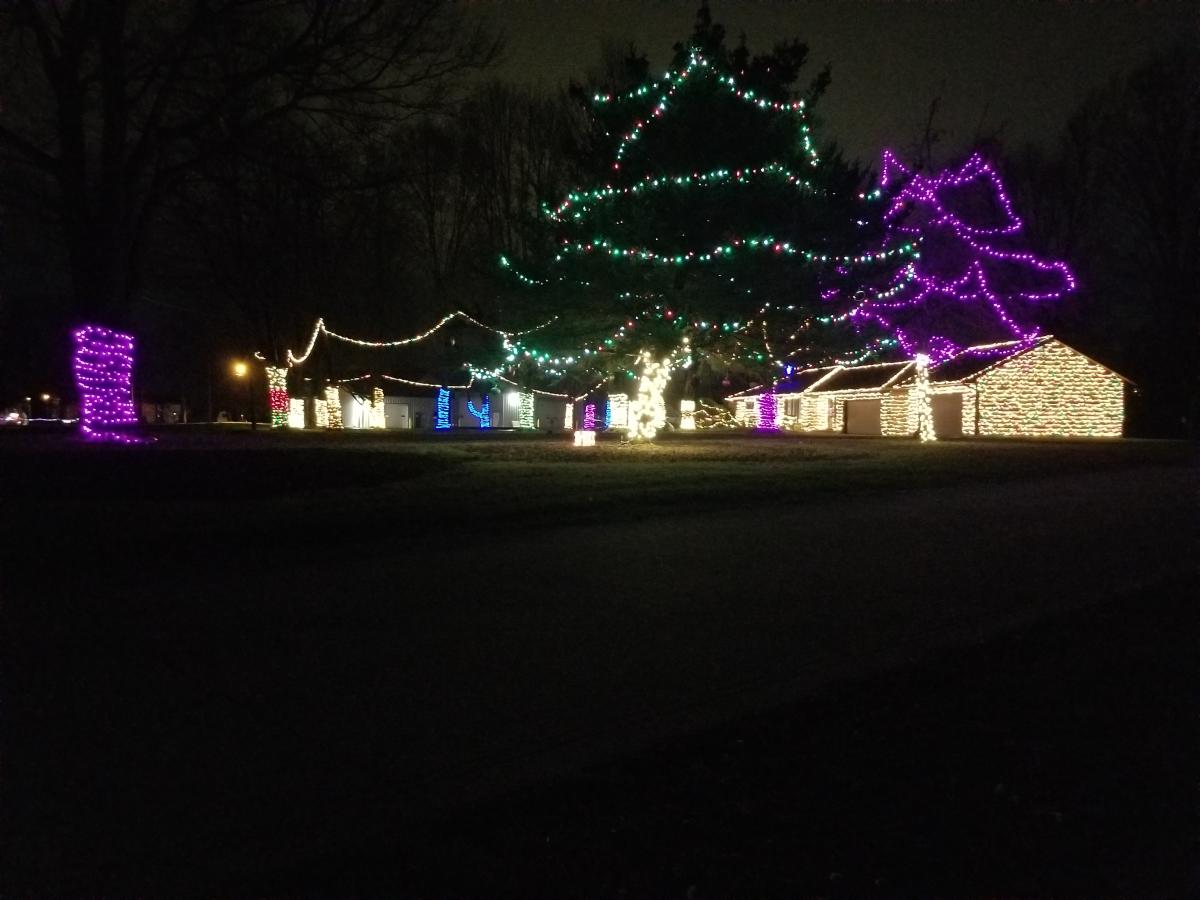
(970, 283)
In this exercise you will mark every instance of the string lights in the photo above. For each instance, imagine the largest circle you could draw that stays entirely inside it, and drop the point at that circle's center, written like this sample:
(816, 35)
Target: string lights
(617, 412)
(568, 415)
(923, 400)
(589, 417)
(648, 413)
(525, 410)
(333, 405)
(295, 417)
(377, 417)
(585, 438)
(103, 364)
(277, 397)
(768, 412)
(321, 413)
(441, 410)
(687, 415)
(963, 265)
(484, 413)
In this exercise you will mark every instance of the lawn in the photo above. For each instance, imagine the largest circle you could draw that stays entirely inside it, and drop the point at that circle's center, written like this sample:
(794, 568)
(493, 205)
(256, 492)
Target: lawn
(473, 665)
(221, 488)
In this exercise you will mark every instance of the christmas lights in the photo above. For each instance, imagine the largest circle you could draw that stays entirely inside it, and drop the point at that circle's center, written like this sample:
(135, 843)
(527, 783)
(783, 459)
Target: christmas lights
(277, 397)
(960, 267)
(569, 416)
(585, 438)
(333, 405)
(321, 413)
(617, 412)
(295, 417)
(922, 400)
(525, 410)
(377, 417)
(768, 412)
(589, 417)
(103, 366)
(648, 413)
(321, 328)
(441, 420)
(484, 413)
(687, 415)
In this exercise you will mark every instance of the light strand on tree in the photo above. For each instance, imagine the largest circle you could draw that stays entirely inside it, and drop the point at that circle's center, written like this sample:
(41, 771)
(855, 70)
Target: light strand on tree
(923, 400)
(589, 417)
(277, 396)
(729, 249)
(687, 415)
(525, 410)
(333, 404)
(295, 418)
(582, 201)
(484, 413)
(768, 412)
(377, 416)
(648, 413)
(441, 420)
(103, 364)
(968, 279)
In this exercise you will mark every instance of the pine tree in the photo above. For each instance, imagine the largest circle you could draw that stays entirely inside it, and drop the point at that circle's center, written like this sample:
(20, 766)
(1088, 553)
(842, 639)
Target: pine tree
(972, 281)
(715, 235)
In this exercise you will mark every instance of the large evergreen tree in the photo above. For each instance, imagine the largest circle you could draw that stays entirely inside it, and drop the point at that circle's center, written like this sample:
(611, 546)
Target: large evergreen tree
(713, 233)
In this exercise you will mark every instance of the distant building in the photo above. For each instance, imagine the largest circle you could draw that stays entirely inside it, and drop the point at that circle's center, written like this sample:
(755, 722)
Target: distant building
(1039, 388)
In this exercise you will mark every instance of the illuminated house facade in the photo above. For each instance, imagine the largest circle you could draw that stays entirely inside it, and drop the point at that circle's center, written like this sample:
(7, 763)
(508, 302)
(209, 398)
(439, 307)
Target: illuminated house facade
(357, 406)
(1039, 388)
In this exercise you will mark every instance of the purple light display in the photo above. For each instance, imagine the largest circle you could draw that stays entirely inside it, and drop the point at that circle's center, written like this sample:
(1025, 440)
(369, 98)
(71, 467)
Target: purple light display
(768, 412)
(103, 375)
(968, 284)
(589, 417)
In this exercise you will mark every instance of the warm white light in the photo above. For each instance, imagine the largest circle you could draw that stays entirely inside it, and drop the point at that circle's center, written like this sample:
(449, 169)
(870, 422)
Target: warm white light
(585, 439)
(569, 416)
(376, 417)
(687, 415)
(239, 369)
(333, 407)
(295, 418)
(648, 413)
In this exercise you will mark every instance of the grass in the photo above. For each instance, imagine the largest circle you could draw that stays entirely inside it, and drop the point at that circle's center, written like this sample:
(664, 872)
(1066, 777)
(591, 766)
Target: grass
(219, 486)
(187, 711)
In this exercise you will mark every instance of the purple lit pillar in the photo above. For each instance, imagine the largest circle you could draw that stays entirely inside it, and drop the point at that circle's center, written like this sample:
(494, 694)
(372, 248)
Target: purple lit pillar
(103, 374)
(768, 412)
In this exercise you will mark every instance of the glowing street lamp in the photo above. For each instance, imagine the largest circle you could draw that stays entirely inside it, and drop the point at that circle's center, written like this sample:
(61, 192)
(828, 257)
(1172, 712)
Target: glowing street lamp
(241, 370)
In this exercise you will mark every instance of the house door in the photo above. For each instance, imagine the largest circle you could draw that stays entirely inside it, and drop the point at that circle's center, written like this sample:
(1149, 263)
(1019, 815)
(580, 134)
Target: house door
(947, 415)
(862, 417)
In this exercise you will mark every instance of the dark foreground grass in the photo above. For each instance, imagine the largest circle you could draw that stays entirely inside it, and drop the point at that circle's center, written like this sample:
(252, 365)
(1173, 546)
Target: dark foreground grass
(1060, 761)
(222, 490)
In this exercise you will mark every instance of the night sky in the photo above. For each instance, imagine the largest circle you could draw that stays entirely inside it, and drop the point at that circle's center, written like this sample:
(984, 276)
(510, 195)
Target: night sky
(1023, 65)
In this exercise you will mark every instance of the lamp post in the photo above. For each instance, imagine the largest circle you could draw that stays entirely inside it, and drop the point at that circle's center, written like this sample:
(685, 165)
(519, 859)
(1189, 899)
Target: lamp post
(241, 370)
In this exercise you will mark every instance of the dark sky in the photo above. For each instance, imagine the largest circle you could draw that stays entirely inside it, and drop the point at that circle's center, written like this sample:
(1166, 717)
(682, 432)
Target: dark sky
(1026, 64)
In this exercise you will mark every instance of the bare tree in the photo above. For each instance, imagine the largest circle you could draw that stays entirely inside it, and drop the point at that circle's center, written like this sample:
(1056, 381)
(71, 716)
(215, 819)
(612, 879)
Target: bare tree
(114, 102)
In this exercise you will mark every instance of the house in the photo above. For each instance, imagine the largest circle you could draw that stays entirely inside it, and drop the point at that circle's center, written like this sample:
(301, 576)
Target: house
(1036, 388)
(416, 407)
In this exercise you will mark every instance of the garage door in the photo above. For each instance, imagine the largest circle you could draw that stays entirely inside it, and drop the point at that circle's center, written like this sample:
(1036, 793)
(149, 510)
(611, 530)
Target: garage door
(862, 417)
(947, 415)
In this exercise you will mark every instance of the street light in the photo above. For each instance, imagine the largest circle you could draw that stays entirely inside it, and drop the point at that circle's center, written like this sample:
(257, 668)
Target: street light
(241, 370)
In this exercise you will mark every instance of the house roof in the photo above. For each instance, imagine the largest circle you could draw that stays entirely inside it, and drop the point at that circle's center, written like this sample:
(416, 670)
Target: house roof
(968, 365)
(974, 361)
(859, 378)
